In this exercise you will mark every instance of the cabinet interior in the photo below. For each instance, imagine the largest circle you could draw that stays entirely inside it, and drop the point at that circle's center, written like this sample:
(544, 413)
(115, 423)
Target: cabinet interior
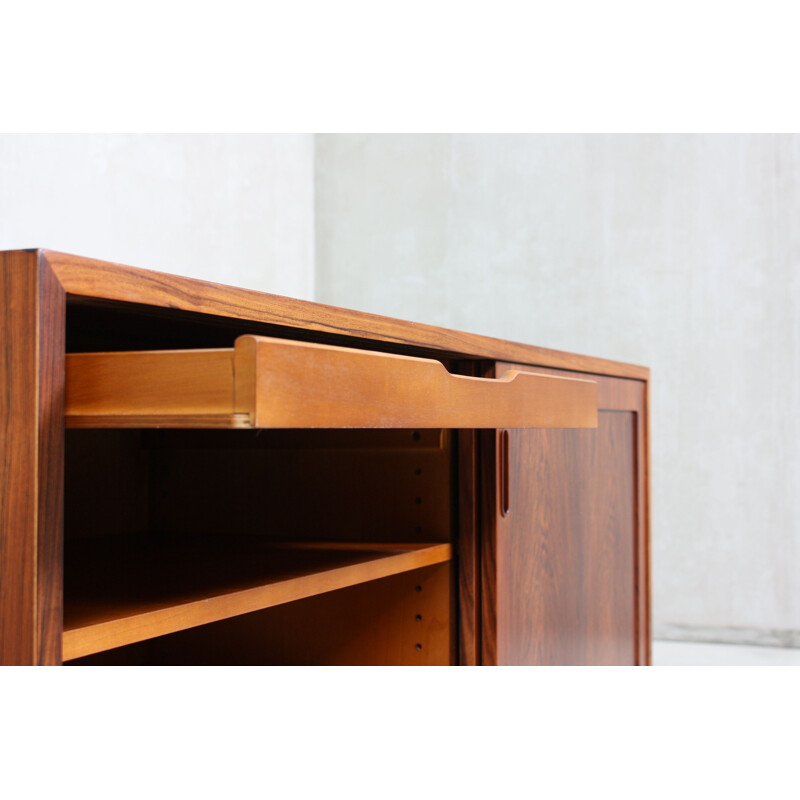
(169, 529)
(251, 546)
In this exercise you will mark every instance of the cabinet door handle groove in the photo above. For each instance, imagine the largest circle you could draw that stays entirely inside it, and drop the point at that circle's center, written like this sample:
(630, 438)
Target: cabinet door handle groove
(505, 476)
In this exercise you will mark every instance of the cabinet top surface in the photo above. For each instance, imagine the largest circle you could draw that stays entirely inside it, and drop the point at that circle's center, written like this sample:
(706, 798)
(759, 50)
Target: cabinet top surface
(101, 281)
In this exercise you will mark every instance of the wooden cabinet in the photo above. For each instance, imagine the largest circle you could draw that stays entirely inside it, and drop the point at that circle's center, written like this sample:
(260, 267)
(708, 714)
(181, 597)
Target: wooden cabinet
(195, 473)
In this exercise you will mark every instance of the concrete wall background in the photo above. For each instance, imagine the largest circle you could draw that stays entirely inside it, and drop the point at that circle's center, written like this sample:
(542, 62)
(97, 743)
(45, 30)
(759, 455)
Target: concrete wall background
(680, 252)
(236, 209)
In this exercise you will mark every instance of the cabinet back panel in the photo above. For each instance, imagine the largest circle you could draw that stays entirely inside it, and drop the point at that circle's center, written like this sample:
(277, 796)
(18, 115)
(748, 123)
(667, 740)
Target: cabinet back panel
(358, 493)
(106, 484)
(311, 485)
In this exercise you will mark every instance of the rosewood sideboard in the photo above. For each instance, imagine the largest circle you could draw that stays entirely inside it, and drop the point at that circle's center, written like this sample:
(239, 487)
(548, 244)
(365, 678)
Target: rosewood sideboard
(199, 474)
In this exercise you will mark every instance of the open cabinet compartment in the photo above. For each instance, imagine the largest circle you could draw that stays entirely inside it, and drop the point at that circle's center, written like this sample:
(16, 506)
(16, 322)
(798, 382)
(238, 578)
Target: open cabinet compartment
(293, 546)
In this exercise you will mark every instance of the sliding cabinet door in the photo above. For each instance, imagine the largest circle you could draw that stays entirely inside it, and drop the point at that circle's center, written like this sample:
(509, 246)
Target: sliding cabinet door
(564, 542)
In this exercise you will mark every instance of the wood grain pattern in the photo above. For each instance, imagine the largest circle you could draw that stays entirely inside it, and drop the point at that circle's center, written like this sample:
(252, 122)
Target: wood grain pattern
(566, 549)
(286, 384)
(563, 569)
(123, 592)
(614, 394)
(89, 278)
(32, 310)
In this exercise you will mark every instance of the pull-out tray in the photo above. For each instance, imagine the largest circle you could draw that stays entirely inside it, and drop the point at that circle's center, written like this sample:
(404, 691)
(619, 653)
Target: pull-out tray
(275, 383)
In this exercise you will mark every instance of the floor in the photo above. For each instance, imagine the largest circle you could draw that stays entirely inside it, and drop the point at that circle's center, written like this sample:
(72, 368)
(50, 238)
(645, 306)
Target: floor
(670, 654)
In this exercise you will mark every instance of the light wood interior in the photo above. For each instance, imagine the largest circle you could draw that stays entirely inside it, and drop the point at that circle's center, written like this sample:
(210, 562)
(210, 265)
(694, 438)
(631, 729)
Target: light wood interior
(171, 530)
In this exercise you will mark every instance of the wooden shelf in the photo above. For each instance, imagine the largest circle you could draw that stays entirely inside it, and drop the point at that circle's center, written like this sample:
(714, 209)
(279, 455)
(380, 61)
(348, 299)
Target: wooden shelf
(120, 592)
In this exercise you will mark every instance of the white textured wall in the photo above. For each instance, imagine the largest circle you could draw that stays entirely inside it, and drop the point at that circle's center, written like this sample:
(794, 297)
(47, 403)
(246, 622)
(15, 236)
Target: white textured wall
(236, 209)
(679, 252)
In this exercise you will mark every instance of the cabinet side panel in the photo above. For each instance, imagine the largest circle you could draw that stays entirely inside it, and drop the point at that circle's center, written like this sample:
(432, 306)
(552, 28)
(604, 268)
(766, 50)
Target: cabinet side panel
(50, 468)
(18, 282)
(32, 310)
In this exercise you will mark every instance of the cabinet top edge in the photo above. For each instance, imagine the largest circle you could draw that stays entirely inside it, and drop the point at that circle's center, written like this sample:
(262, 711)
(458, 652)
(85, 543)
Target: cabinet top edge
(103, 280)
